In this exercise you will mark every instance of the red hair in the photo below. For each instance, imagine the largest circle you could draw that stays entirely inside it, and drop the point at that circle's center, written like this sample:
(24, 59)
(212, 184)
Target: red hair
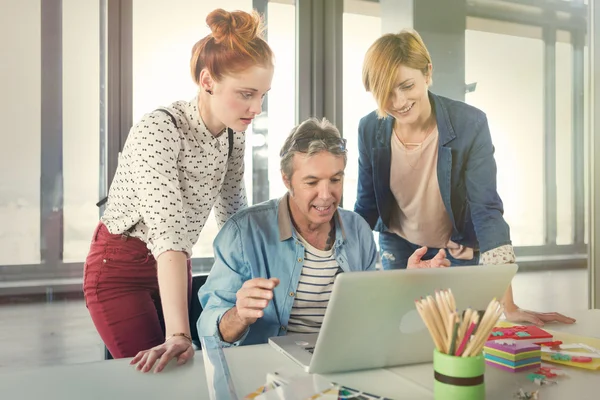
(234, 44)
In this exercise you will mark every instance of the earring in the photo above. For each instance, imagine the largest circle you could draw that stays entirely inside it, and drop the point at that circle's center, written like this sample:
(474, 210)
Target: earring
(209, 91)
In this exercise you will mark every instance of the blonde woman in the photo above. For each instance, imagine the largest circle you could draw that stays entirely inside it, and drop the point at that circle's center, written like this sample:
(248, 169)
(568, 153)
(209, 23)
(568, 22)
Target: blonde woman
(427, 175)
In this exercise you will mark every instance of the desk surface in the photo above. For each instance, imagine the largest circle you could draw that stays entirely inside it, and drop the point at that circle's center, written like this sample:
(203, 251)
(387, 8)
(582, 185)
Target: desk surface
(250, 364)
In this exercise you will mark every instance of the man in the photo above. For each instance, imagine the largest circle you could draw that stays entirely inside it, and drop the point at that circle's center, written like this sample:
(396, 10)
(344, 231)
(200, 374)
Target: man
(275, 262)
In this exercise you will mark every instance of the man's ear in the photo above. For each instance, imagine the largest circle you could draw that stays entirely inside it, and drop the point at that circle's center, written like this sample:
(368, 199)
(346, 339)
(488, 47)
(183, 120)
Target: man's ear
(286, 181)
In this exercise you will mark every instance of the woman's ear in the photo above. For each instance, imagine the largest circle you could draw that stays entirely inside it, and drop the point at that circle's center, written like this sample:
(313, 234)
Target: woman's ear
(206, 81)
(429, 75)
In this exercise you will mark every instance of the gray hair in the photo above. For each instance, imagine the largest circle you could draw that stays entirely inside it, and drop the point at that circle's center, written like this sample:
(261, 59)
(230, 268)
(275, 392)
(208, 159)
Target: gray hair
(324, 134)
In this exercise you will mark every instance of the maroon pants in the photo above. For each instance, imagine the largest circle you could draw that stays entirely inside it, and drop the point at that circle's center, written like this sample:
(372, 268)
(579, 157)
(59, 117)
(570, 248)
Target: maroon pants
(120, 286)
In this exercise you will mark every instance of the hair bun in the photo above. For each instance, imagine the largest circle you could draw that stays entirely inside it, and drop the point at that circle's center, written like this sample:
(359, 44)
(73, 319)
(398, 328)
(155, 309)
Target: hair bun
(234, 27)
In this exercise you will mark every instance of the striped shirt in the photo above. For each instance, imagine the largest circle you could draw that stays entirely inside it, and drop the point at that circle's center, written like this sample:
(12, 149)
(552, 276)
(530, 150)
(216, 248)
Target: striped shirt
(314, 289)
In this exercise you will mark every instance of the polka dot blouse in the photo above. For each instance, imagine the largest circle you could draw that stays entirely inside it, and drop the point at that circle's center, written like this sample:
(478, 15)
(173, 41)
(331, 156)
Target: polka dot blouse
(169, 179)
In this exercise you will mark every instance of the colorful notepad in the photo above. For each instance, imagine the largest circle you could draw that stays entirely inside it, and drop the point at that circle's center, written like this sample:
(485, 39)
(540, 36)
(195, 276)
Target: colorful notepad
(524, 334)
(567, 338)
(512, 355)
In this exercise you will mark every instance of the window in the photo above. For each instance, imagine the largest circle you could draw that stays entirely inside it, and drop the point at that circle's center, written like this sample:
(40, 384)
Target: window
(282, 97)
(357, 102)
(81, 125)
(508, 78)
(564, 141)
(20, 75)
(50, 161)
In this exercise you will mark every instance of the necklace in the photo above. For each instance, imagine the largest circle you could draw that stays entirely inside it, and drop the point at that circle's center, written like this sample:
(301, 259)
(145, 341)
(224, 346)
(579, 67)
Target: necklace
(414, 145)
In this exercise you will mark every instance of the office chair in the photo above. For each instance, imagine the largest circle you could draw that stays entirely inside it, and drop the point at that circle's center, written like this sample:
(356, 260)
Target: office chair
(194, 311)
(107, 355)
(195, 308)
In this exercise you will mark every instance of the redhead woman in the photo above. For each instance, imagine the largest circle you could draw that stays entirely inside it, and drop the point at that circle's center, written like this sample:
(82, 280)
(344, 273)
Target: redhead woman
(178, 164)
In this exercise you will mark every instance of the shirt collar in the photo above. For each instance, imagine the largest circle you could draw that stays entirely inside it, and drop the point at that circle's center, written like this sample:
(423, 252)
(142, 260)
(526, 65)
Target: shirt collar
(284, 220)
(198, 127)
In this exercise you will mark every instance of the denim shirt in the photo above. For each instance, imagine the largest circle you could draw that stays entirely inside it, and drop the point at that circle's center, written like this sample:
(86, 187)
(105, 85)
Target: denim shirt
(259, 242)
(466, 172)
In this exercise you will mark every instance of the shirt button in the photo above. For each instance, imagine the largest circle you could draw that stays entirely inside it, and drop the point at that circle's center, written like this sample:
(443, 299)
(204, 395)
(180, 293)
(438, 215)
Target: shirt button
(104, 261)
(283, 328)
(291, 294)
(299, 259)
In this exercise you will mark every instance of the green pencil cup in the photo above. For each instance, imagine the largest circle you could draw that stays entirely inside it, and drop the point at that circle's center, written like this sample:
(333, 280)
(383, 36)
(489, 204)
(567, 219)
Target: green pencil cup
(458, 378)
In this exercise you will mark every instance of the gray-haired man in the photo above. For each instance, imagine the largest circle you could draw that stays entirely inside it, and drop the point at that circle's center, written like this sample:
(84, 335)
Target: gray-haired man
(275, 262)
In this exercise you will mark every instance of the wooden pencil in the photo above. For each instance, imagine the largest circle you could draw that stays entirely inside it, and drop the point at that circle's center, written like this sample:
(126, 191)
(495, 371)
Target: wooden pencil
(428, 323)
(454, 333)
(486, 326)
(466, 320)
(493, 318)
(444, 311)
(452, 300)
(448, 337)
(465, 343)
(486, 315)
(446, 300)
(455, 323)
(488, 330)
(437, 318)
(429, 314)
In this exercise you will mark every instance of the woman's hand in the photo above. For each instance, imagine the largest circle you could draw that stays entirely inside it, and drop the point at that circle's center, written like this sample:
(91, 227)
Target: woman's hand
(175, 347)
(439, 261)
(519, 315)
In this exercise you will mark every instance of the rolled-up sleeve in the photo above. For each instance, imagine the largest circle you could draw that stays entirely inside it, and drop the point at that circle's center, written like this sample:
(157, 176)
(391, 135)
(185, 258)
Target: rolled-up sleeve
(232, 196)
(226, 277)
(500, 255)
(155, 148)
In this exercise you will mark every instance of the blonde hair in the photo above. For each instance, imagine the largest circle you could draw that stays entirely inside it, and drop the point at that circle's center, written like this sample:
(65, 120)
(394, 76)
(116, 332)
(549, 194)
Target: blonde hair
(380, 68)
(234, 44)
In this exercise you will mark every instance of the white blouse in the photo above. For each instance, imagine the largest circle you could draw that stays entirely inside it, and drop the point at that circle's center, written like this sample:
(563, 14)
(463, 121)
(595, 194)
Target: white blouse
(169, 179)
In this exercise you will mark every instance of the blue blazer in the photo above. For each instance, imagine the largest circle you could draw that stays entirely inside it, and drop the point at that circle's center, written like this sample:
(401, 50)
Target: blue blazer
(466, 174)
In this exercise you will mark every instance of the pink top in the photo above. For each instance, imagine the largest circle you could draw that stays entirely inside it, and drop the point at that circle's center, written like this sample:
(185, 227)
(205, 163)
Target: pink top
(420, 215)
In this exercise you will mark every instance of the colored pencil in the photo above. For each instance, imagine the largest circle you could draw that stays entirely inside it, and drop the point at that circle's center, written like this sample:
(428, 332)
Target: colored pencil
(455, 333)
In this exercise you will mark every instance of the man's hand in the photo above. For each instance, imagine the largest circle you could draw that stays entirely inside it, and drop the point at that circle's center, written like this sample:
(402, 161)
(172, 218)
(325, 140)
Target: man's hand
(253, 298)
(439, 261)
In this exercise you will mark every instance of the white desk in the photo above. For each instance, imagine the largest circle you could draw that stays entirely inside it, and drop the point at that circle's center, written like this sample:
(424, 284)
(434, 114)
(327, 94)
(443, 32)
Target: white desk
(588, 324)
(249, 365)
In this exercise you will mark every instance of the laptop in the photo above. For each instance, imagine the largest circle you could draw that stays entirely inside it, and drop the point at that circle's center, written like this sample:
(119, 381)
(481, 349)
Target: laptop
(371, 320)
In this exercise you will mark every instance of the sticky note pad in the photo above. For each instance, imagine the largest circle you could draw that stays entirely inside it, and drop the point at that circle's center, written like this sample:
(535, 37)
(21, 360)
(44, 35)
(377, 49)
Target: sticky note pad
(512, 355)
